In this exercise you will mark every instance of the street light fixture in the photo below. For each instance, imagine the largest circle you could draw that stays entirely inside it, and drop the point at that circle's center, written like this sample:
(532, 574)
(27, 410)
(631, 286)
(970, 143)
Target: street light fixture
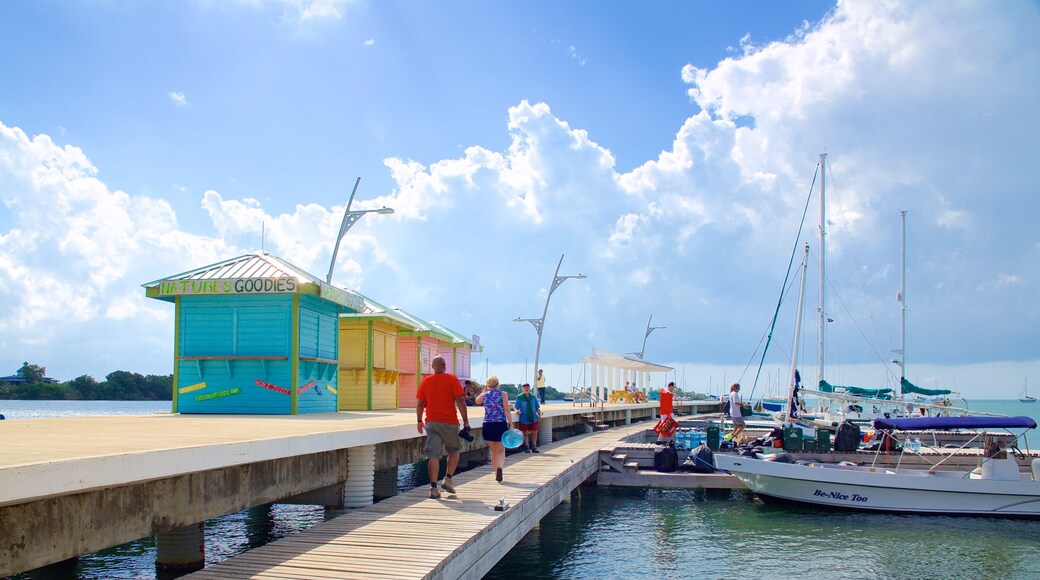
(649, 329)
(539, 323)
(349, 219)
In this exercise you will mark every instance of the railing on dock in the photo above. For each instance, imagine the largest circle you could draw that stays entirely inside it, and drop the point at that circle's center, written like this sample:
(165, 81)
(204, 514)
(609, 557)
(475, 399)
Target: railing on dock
(581, 396)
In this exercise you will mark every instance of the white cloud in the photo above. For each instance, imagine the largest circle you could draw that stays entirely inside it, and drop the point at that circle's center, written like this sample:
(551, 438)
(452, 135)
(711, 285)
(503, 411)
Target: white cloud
(78, 246)
(179, 99)
(573, 52)
(304, 10)
(369, 42)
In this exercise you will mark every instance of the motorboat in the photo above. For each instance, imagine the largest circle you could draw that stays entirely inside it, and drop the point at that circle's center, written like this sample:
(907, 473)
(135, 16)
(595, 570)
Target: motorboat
(994, 488)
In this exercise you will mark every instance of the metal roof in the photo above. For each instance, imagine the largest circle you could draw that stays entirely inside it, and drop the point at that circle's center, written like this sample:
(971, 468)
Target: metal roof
(257, 264)
(620, 361)
(456, 337)
(372, 309)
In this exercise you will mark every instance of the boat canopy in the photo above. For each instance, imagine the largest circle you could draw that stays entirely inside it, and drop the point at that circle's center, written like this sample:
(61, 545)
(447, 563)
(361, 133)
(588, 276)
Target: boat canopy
(909, 387)
(883, 394)
(942, 423)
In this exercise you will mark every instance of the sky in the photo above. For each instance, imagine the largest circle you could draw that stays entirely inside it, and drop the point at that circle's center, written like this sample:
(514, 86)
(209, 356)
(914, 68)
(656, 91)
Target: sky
(666, 150)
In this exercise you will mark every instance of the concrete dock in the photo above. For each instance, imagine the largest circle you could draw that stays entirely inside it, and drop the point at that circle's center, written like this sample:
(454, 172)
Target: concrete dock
(71, 486)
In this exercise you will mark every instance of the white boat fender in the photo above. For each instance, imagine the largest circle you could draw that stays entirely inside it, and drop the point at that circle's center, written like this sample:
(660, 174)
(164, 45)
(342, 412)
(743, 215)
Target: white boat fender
(1036, 469)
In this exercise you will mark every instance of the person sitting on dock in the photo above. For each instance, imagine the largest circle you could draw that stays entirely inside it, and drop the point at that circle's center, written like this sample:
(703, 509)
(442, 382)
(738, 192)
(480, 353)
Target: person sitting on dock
(529, 411)
(440, 394)
(733, 410)
(473, 390)
(667, 396)
(496, 422)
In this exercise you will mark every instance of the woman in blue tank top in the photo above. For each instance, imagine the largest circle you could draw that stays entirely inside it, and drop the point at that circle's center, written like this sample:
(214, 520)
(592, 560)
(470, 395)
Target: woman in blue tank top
(496, 422)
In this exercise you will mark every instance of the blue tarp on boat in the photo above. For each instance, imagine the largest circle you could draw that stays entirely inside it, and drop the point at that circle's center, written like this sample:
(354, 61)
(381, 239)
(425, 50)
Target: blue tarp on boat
(935, 423)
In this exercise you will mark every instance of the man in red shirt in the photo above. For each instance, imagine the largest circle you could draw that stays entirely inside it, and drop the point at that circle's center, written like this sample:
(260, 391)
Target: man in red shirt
(440, 394)
(667, 396)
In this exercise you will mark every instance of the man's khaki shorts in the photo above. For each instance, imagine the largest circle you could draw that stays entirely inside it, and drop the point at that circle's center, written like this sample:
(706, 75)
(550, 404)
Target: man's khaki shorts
(441, 437)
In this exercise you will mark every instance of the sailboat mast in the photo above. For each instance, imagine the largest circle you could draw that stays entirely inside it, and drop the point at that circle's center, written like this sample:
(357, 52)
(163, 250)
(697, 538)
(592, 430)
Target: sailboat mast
(797, 336)
(902, 308)
(823, 261)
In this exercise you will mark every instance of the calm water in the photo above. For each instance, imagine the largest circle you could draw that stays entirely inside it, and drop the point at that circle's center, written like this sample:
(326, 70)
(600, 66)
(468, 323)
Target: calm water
(614, 533)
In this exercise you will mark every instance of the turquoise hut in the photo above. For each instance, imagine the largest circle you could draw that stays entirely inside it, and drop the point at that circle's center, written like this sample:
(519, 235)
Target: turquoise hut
(254, 335)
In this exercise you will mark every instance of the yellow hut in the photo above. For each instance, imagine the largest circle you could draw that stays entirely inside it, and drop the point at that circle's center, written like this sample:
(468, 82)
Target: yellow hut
(368, 355)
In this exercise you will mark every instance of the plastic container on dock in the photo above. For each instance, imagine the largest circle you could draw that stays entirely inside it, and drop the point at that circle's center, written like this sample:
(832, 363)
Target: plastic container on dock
(823, 439)
(714, 437)
(792, 438)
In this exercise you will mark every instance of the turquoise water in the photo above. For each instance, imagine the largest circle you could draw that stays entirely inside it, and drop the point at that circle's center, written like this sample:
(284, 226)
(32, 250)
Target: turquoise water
(636, 533)
(614, 533)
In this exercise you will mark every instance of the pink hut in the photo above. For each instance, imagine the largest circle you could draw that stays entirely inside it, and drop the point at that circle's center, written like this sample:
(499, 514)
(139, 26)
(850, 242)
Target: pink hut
(416, 349)
(459, 352)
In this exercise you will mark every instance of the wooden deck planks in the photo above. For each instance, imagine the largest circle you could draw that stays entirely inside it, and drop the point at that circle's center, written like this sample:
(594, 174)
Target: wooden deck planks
(412, 536)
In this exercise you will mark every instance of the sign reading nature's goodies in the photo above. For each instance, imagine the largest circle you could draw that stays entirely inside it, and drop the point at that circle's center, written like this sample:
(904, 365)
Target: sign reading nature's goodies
(287, 285)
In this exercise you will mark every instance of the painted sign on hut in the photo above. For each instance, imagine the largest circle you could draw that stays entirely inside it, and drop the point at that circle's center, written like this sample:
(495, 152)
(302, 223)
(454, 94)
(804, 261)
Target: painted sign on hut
(254, 334)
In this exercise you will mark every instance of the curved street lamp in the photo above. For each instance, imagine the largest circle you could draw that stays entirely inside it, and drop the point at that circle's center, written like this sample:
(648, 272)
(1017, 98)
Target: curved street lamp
(349, 219)
(539, 323)
(649, 329)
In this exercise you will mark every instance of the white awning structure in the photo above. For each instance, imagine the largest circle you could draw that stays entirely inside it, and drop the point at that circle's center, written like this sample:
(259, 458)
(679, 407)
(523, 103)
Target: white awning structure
(609, 371)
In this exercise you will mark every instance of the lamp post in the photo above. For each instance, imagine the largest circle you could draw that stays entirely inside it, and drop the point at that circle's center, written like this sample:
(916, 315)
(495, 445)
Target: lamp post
(539, 323)
(649, 329)
(349, 219)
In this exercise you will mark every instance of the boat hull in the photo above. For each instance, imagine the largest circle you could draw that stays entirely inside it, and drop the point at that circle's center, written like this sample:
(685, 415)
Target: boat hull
(883, 490)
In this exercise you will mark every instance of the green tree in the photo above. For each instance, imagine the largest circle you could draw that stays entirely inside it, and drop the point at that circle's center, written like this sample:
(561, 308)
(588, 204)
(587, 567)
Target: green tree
(158, 387)
(124, 386)
(40, 391)
(32, 373)
(83, 387)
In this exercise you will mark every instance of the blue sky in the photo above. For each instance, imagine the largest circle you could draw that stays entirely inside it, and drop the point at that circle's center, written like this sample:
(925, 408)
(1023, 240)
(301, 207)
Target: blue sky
(666, 149)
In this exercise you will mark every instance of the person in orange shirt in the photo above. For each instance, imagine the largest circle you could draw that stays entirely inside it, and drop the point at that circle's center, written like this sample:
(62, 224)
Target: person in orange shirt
(440, 395)
(667, 396)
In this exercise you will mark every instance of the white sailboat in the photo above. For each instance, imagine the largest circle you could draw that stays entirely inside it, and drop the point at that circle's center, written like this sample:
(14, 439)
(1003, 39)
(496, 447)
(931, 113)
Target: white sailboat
(863, 405)
(1024, 396)
(996, 488)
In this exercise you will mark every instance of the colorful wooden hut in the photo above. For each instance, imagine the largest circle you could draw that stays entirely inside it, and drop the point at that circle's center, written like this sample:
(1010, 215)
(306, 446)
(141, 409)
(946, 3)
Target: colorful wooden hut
(254, 334)
(418, 346)
(458, 353)
(368, 354)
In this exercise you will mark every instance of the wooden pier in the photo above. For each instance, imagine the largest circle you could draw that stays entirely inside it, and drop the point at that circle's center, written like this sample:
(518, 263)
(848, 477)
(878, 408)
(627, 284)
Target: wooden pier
(71, 486)
(413, 536)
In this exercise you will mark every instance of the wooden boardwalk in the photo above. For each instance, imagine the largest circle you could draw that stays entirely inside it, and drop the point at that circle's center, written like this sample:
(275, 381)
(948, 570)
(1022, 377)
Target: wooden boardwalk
(413, 536)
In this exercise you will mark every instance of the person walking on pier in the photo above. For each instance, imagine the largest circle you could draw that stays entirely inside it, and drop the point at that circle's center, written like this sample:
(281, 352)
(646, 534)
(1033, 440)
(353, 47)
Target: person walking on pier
(667, 396)
(539, 383)
(440, 395)
(733, 410)
(496, 421)
(529, 411)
